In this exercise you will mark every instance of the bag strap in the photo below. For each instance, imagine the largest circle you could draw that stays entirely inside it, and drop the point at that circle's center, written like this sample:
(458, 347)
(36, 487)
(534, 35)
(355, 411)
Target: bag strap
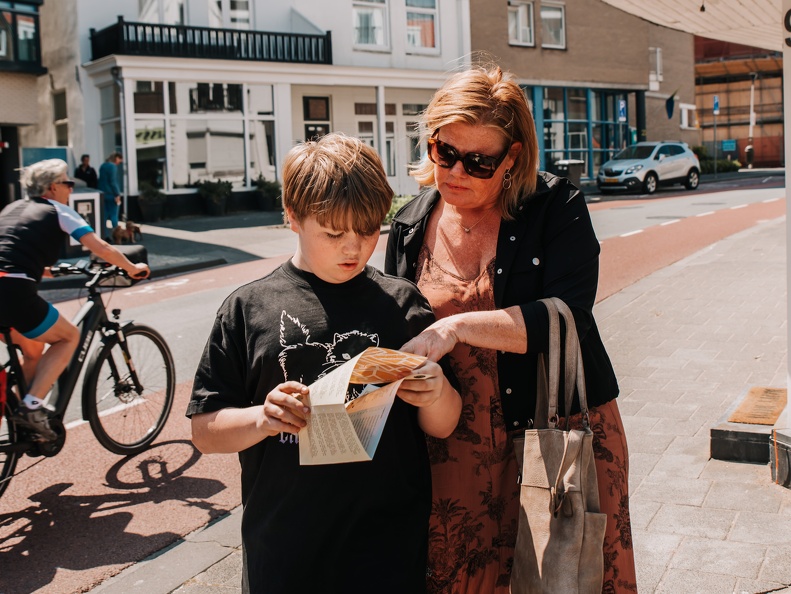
(547, 387)
(548, 383)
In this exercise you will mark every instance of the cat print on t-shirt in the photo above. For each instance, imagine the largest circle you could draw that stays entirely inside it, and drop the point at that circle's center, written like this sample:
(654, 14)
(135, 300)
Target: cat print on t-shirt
(305, 361)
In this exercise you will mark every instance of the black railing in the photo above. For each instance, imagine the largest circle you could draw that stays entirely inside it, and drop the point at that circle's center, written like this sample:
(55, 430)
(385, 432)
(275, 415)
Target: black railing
(177, 41)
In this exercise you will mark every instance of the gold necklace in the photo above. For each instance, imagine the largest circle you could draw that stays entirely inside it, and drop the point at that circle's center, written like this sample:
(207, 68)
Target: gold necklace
(471, 227)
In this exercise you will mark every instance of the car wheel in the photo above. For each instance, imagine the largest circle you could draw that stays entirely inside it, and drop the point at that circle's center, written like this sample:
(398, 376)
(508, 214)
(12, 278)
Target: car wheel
(693, 180)
(650, 183)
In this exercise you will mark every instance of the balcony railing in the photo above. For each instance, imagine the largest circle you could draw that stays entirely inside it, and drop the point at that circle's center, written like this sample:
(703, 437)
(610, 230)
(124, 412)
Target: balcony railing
(178, 41)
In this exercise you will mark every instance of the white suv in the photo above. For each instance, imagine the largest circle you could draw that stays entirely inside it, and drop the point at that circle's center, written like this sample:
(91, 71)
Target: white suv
(646, 165)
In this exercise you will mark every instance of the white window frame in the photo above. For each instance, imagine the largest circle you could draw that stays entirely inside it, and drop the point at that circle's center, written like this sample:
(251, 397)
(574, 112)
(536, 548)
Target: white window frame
(522, 11)
(562, 9)
(372, 7)
(419, 49)
(688, 114)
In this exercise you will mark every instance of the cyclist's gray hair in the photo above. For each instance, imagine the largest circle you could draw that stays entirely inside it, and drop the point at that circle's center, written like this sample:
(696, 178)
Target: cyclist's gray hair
(36, 178)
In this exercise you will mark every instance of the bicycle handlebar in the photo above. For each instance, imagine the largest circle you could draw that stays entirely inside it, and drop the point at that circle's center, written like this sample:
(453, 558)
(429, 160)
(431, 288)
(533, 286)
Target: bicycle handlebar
(96, 270)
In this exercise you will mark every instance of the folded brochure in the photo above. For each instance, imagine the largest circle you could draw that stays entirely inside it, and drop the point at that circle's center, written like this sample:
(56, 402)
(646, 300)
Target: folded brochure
(337, 431)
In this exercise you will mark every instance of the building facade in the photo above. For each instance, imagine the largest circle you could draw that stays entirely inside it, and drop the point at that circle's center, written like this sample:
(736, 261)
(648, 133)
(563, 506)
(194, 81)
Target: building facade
(20, 69)
(598, 79)
(193, 90)
(748, 85)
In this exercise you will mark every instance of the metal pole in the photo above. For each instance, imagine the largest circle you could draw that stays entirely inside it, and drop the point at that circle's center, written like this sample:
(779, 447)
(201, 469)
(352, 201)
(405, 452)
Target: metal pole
(715, 146)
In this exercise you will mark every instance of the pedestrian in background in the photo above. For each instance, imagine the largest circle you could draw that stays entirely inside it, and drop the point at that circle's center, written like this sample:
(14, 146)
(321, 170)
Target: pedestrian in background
(487, 237)
(87, 173)
(110, 187)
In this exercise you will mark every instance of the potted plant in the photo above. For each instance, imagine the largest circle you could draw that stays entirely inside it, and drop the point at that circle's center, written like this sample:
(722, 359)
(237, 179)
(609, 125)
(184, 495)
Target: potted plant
(268, 194)
(151, 201)
(215, 195)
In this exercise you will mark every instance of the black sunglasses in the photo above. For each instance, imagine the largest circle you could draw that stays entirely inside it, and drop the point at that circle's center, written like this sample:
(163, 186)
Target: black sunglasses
(68, 183)
(475, 164)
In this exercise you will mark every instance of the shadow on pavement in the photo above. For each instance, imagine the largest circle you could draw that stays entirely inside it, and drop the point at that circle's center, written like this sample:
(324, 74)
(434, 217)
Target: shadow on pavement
(59, 531)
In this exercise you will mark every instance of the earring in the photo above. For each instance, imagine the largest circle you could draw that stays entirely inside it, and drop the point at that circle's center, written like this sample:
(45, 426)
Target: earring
(507, 179)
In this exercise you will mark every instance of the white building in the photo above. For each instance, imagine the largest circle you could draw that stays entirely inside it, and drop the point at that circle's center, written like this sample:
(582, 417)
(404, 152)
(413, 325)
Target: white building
(190, 90)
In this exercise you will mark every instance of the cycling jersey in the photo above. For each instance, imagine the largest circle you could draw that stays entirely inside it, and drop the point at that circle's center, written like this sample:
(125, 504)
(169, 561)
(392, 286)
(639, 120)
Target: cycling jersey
(32, 233)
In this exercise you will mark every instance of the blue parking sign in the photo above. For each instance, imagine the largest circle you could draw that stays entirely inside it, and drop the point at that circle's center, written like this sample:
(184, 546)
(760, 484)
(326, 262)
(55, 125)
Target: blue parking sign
(716, 105)
(622, 110)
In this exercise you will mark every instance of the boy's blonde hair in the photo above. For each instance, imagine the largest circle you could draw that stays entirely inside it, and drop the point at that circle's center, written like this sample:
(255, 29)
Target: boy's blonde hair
(338, 179)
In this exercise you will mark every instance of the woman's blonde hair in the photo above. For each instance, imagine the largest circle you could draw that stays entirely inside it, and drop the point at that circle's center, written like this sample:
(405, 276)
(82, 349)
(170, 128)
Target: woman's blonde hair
(486, 96)
(338, 179)
(38, 177)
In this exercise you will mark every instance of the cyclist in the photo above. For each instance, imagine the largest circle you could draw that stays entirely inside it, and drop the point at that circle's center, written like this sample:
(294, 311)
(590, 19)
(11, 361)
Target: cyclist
(32, 232)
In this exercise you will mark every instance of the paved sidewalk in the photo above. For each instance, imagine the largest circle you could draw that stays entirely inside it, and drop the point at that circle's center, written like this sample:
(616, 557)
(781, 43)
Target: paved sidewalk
(687, 343)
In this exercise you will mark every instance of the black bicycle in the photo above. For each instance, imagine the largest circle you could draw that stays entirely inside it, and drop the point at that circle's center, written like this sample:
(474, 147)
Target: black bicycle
(128, 388)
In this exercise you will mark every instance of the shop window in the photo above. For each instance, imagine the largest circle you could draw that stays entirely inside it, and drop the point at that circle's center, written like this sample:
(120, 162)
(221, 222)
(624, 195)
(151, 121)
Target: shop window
(315, 108)
(421, 25)
(149, 97)
(415, 147)
(6, 35)
(207, 149)
(205, 97)
(365, 132)
(316, 131)
(370, 109)
(553, 26)
(577, 104)
(262, 149)
(370, 24)
(150, 153)
(412, 109)
(520, 23)
(390, 156)
(60, 118)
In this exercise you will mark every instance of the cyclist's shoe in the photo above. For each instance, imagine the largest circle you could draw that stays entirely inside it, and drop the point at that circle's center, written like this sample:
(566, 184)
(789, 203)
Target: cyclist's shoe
(35, 419)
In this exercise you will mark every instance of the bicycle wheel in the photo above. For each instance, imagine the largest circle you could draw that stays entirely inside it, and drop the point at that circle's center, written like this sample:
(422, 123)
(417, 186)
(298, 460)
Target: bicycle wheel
(8, 459)
(124, 420)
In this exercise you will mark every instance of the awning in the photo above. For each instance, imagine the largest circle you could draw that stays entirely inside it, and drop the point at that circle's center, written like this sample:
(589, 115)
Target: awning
(750, 22)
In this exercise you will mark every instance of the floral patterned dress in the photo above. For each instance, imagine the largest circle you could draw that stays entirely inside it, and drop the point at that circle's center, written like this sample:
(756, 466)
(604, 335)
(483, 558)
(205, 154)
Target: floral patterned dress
(475, 501)
(475, 496)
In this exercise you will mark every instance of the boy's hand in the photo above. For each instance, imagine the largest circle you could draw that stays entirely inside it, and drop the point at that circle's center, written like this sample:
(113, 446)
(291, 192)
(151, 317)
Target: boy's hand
(283, 409)
(423, 392)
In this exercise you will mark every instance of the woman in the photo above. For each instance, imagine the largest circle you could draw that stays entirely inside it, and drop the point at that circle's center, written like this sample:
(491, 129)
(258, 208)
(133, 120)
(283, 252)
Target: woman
(32, 234)
(110, 187)
(487, 237)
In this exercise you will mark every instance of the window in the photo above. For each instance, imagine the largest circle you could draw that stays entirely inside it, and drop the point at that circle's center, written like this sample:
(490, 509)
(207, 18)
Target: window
(413, 136)
(520, 23)
(166, 12)
(60, 118)
(421, 25)
(370, 23)
(553, 26)
(687, 111)
(230, 14)
(18, 33)
(316, 108)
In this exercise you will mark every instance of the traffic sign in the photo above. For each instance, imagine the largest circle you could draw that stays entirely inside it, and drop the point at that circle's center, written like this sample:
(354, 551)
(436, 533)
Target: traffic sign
(716, 105)
(622, 110)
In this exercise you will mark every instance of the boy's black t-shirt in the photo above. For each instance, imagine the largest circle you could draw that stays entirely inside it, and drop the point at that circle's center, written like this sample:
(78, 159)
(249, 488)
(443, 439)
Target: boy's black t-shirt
(342, 528)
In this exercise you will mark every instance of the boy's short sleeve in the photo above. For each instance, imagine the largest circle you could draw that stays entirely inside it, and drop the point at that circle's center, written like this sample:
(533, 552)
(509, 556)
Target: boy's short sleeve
(220, 378)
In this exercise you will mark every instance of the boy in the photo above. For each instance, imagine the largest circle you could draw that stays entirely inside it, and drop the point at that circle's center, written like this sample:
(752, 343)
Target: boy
(341, 528)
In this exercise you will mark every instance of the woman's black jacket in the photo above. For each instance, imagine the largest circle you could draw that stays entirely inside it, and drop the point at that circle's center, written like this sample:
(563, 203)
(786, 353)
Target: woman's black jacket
(548, 250)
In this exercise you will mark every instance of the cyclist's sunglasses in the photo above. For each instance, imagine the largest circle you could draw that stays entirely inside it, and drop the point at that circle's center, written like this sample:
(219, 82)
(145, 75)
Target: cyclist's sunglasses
(475, 164)
(68, 183)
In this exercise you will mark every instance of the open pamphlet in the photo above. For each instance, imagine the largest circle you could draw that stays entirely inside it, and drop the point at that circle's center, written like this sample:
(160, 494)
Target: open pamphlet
(339, 432)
